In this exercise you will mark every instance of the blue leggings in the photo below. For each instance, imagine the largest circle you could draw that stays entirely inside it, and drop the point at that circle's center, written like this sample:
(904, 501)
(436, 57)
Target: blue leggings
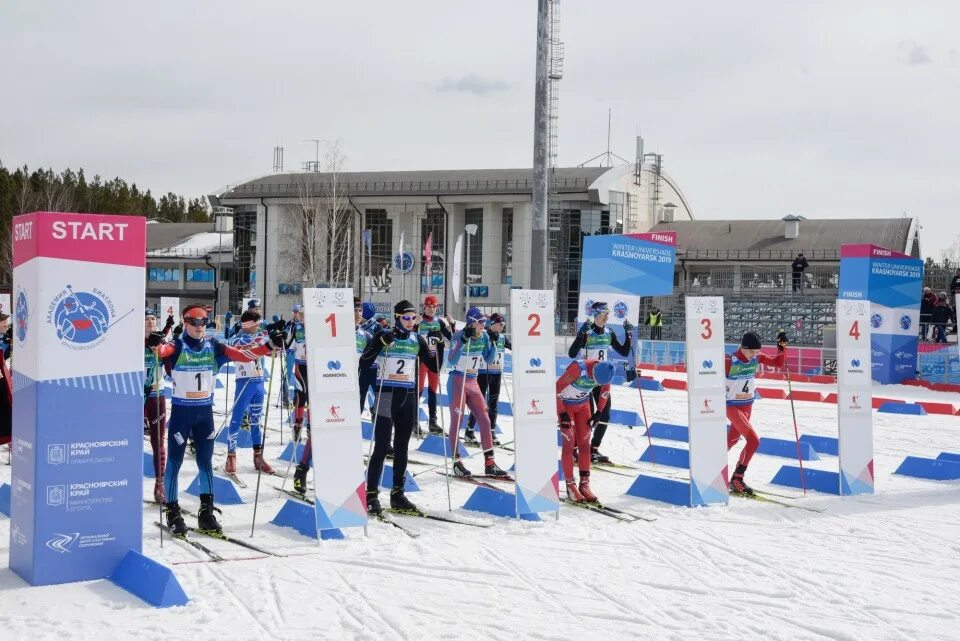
(188, 421)
(247, 399)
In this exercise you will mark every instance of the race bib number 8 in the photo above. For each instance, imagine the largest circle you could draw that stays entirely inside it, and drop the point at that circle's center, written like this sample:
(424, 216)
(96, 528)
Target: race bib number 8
(598, 354)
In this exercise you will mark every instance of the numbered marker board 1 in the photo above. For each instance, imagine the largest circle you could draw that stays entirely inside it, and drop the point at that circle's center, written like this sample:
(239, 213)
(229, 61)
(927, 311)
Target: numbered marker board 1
(334, 408)
(706, 400)
(169, 306)
(534, 396)
(855, 396)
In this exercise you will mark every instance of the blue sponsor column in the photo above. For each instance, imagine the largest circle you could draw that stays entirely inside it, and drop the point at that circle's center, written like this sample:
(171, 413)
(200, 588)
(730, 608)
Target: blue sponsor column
(76, 504)
(892, 282)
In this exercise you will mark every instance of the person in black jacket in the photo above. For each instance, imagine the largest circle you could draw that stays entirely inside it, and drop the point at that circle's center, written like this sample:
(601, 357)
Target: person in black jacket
(954, 292)
(942, 314)
(6, 384)
(799, 264)
(927, 302)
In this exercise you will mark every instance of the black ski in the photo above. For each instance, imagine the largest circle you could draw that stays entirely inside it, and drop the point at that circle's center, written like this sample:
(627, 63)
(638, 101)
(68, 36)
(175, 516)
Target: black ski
(196, 544)
(434, 516)
(471, 479)
(766, 499)
(383, 518)
(599, 509)
(229, 539)
(295, 494)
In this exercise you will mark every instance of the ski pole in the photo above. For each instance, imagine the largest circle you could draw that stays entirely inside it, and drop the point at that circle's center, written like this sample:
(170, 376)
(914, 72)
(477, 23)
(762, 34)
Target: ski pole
(634, 347)
(796, 431)
(263, 441)
(446, 471)
(468, 456)
(155, 376)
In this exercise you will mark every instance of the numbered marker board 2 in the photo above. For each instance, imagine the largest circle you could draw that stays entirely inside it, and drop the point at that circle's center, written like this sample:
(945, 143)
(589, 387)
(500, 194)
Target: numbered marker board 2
(855, 397)
(706, 400)
(534, 396)
(334, 408)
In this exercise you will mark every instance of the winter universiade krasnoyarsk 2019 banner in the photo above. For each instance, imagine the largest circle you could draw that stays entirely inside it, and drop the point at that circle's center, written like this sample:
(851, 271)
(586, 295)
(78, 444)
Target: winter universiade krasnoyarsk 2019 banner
(892, 282)
(76, 504)
(620, 269)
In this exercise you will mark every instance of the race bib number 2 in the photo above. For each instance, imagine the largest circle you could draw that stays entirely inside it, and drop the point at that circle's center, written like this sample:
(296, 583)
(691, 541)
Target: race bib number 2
(400, 370)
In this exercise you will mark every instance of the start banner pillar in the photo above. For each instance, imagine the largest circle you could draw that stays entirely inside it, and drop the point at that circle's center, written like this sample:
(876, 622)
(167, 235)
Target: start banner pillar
(76, 505)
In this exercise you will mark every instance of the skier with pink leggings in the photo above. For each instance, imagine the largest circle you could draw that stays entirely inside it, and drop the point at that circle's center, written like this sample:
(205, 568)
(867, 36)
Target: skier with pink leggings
(470, 347)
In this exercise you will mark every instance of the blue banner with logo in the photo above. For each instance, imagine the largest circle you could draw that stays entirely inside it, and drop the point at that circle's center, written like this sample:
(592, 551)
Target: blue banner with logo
(892, 282)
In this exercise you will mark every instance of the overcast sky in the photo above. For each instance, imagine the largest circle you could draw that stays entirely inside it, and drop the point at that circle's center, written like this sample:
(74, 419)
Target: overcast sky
(824, 109)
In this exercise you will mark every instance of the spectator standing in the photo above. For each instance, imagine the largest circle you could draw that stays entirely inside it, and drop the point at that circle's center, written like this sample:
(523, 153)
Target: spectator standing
(798, 267)
(927, 303)
(941, 316)
(954, 292)
(655, 321)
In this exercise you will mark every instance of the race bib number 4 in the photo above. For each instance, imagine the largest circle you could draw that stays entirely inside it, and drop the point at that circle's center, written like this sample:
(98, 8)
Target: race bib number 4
(740, 390)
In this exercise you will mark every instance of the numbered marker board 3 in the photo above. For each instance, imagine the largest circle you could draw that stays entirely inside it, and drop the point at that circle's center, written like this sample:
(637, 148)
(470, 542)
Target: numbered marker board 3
(855, 396)
(334, 408)
(706, 400)
(534, 396)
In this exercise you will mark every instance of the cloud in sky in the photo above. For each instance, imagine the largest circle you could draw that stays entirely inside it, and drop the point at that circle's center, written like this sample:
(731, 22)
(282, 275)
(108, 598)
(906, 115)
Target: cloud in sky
(473, 84)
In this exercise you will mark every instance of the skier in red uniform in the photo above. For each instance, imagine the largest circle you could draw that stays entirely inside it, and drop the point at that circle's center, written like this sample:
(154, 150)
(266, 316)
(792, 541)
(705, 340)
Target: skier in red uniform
(741, 369)
(574, 390)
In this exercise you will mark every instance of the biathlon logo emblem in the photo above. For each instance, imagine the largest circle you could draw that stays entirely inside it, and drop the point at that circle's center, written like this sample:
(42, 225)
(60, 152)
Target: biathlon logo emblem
(876, 321)
(82, 319)
(620, 310)
(22, 316)
(905, 322)
(587, 307)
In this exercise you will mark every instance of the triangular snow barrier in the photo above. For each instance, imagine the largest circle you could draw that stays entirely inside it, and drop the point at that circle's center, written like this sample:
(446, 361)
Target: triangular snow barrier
(148, 465)
(386, 480)
(5, 499)
(647, 384)
(902, 408)
(669, 431)
(288, 454)
(949, 456)
(822, 444)
(655, 488)
(496, 502)
(244, 440)
(787, 449)
(437, 445)
(623, 417)
(663, 455)
(224, 492)
(302, 518)
(819, 480)
(143, 577)
(927, 468)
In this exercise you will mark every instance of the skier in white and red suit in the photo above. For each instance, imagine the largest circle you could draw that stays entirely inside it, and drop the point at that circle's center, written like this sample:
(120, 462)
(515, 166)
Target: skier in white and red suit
(574, 388)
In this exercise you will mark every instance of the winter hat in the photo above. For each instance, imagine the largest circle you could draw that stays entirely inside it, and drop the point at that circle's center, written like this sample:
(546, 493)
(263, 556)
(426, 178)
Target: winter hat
(599, 307)
(750, 341)
(474, 314)
(149, 313)
(429, 299)
(356, 303)
(403, 307)
(495, 318)
(603, 372)
(253, 302)
(368, 310)
(296, 308)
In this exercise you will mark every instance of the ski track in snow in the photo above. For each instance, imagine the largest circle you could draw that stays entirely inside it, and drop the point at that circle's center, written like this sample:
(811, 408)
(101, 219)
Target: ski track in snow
(880, 567)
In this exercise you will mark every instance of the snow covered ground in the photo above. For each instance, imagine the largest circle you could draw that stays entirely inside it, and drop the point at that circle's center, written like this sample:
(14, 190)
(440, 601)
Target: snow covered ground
(877, 567)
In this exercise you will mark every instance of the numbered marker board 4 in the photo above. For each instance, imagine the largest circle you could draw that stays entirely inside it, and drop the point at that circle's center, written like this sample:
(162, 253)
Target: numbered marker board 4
(332, 382)
(855, 396)
(706, 400)
(169, 306)
(534, 396)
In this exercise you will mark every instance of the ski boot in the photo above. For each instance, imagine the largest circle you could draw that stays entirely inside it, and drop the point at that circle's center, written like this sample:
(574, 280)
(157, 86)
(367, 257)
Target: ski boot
(737, 486)
(258, 461)
(459, 469)
(400, 503)
(206, 519)
(573, 493)
(597, 457)
(390, 451)
(490, 468)
(174, 519)
(434, 428)
(300, 478)
(470, 438)
(230, 467)
(373, 503)
(585, 490)
(158, 492)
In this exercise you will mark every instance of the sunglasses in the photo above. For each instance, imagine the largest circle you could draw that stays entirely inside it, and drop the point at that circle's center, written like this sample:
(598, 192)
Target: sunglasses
(409, 317)
(196, 322)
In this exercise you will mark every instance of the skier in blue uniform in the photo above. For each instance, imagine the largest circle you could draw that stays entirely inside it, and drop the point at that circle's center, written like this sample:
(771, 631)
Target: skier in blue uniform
(249, 395)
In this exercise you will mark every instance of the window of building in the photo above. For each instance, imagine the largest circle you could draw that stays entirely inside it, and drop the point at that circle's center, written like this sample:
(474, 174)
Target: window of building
(200, 274)
(381, 241)
(163, 275)
(506, 249)
(434, 224)
(474, 271)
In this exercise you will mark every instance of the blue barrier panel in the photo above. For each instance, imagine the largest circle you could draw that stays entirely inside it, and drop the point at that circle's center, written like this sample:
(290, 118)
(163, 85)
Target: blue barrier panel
(786, 449)
(819, 480)
(223, 490)
(664, 490)
(148, 465)
(302, 518)
(219, 385)
(504, 409)
(928, 468)
(669, 431)
(5, 499)
(366, 430)
(822, 444)
(386, 480)
(902, 408)
(648, 384)
(244, 440)
(949, 456)
(624, 417)
(143, 577)
(663, 455)
(437, 445)
(497, 503)
(288, 454)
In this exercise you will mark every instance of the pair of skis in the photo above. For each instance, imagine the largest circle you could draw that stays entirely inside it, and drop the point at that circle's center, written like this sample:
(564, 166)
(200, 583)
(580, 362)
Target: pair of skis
(774, 499)
(214, 556)
(614, 513)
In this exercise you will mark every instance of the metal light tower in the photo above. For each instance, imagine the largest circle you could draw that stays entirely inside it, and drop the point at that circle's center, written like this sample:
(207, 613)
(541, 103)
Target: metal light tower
(541, 140)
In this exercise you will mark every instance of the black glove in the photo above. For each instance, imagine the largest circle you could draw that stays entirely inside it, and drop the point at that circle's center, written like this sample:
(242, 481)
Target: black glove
(629, 373)
(9, 335)
(277, 339)
(169, 322)
(469, 332)
(627, 326)
(154, 339)
(594, 419)
(387, 336)
(564, 420)
(435, 336)
(585, 327)
(177, 331)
